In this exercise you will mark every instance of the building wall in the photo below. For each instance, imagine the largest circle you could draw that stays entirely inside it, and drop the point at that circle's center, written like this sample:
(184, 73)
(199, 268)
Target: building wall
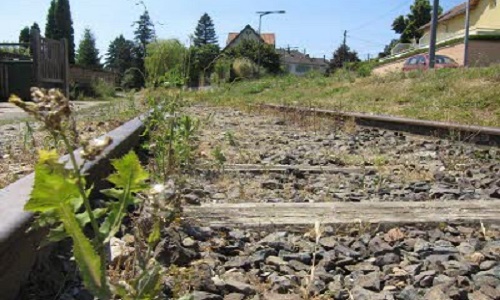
(484, 53)
(481, 54)
(485, 15)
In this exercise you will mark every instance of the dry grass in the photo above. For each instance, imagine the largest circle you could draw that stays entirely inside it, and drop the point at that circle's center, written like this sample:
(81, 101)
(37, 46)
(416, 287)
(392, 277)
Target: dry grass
(469, 96)
(19, 152)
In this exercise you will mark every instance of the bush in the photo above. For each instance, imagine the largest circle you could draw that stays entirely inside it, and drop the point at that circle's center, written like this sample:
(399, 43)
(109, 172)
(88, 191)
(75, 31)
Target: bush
(102, 89)
(244, 68)
(222, 71)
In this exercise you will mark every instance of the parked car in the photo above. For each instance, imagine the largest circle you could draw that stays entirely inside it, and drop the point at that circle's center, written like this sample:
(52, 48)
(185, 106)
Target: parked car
(421, 62)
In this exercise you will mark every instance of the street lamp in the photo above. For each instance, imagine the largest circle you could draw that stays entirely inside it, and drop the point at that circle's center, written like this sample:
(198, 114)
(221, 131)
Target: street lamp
(261, 14)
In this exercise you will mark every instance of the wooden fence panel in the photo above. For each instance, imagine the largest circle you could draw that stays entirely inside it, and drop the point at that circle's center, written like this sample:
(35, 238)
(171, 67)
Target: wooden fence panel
(50, 61)
(4, 81)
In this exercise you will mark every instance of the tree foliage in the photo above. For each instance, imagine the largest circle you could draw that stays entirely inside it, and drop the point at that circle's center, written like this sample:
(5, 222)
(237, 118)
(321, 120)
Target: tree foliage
(205, 32)
(34, 27)
(121, 58)
(88, 54)
(60, 25)
(269, 59)
(24, 35)
(50, 26)
(342, 55)
(165, 62)
(202, 61)
(144, 32)
(64, 25)
(388, 48)
(409, 26)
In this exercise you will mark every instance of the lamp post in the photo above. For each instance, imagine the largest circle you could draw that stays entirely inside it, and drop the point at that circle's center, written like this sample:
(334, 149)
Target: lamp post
(261, 14)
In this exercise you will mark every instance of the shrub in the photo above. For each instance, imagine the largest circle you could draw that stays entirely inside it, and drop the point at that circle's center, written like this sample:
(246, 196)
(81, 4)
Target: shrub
(222, 71)
(102, 89)
(244, 68)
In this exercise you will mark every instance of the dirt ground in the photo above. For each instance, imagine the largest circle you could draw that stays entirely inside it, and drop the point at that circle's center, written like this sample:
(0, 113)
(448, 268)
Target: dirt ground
(9, 111)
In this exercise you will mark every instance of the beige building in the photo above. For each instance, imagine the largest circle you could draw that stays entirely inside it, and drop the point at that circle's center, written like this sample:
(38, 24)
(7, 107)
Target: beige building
(484, 47)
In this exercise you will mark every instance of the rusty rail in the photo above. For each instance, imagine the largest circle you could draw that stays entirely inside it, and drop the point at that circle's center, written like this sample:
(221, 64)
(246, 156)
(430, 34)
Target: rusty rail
(479, 135)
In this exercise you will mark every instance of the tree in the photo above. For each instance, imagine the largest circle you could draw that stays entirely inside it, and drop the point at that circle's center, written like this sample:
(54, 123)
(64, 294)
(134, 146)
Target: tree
(388, 48)
(409, 26)
(120, 55)
(50, 26)
(202, 60)
(34, 27)
(205, 32)
(270, 60)
(121, 58)
(88, 55)
(60, 25)
(144, 32)
(341, 56)
(24, 35)
(165, 62)
(144, 35)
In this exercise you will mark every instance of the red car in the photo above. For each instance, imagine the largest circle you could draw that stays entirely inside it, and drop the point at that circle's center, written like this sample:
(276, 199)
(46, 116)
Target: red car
(421, 62)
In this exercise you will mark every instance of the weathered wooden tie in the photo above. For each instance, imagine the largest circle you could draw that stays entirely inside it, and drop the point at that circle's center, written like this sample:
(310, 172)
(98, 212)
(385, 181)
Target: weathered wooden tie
(305, 214)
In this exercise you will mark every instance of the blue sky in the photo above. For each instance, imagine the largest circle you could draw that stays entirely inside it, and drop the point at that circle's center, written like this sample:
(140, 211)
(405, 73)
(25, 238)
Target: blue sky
(314, 25)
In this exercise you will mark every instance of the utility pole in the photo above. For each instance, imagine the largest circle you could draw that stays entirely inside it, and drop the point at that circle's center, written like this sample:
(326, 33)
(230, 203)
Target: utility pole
(345, 48)
(466, 38)
(434, 25)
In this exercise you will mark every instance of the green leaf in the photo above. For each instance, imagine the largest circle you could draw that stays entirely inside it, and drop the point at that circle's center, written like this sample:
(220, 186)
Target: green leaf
(129, 177)
(129, 173)
(148, 285)
(86, 257)
(51, 189)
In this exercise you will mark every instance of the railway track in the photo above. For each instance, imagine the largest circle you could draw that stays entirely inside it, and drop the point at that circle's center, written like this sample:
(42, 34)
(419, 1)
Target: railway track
(364, 212)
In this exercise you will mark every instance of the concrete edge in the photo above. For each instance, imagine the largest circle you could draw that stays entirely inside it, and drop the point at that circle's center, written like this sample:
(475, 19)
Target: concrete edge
(480, 135)
(18, 248)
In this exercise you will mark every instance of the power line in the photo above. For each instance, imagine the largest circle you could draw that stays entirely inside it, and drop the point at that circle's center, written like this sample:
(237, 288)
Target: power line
(382, 16)
(367, 41)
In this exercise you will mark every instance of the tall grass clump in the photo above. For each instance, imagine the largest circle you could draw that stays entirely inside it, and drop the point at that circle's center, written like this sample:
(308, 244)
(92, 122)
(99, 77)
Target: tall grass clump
(244, 68)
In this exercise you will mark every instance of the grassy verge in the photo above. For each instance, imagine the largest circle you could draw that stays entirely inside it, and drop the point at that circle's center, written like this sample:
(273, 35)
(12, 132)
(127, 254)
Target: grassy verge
(467, 96)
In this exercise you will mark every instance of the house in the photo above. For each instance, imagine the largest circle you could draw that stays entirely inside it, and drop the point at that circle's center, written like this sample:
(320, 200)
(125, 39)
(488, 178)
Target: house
(299, 63)
(248, 33)
(484, 31)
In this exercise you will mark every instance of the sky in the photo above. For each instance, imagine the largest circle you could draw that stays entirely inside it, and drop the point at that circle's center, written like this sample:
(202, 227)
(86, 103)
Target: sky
(314, 26)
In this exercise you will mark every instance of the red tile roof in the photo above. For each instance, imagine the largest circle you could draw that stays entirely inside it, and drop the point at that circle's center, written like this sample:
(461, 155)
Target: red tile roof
(268, 38)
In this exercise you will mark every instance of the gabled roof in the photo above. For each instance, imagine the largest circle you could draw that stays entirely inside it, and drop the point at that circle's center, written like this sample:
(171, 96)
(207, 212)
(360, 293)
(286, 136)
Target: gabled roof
(268, 38)
(297, 57)
(454, 12)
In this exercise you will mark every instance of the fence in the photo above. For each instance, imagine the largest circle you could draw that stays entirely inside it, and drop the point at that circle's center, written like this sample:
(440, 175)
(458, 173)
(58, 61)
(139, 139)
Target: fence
(86, 77)
(50, 62)
(46, 66)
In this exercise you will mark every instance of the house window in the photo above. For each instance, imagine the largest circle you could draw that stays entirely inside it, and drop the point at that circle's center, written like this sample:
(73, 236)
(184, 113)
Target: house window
(302, 68)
